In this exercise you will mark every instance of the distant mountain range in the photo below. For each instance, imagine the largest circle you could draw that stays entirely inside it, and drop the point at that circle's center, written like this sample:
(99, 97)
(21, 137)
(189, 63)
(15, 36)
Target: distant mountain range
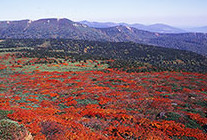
(159, 28)
(65, 28)
(197, 29)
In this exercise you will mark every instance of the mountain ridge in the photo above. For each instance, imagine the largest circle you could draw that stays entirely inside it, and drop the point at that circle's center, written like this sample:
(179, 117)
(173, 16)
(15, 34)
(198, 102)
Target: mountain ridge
(160, 28)
(65, 28)
(157, 27)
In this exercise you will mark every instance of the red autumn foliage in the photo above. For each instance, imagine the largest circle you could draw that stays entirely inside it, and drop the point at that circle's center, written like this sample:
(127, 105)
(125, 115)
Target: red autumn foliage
(105, 105)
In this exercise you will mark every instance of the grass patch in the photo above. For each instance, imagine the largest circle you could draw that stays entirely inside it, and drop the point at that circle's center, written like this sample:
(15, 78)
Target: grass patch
(4, 113)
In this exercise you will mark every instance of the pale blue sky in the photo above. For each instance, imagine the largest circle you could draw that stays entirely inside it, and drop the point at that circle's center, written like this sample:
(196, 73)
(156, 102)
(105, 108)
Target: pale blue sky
(172, 12)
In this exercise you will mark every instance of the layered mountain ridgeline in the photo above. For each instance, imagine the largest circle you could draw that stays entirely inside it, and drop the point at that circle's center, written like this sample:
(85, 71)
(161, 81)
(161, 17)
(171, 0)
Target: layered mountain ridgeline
(128, 56)
(160, 28)
(67, 29)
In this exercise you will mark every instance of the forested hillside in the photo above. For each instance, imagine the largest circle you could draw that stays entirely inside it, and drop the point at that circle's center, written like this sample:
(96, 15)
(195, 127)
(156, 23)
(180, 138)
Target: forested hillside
(128, 55)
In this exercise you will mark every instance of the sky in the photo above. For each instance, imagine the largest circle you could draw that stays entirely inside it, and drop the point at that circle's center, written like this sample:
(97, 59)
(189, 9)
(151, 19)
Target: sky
(180, 13)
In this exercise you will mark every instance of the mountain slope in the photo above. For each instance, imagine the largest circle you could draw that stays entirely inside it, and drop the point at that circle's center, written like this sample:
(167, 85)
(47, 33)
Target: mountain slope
(49, 28)
(99, 24)
(125, 34)
(126, 53)
(196, 42)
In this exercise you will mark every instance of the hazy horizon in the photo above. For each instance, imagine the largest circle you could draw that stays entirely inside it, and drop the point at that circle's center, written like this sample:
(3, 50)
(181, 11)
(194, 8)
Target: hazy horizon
(178, 13)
